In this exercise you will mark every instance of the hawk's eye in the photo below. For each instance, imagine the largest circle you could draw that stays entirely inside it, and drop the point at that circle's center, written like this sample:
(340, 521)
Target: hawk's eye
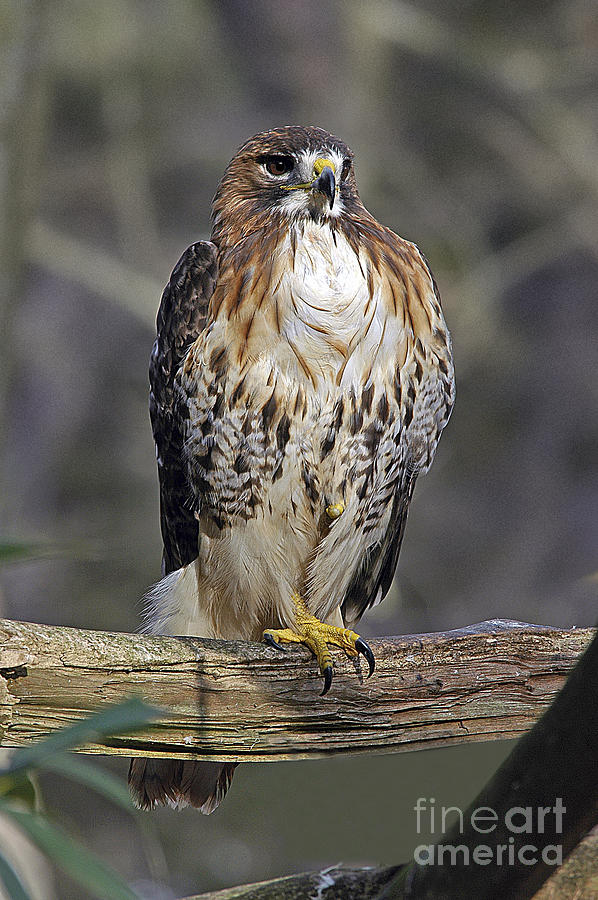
(345, 170)
(279, 165)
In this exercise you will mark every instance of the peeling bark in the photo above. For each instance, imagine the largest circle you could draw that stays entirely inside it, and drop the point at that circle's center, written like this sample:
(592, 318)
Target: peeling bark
(241, 701)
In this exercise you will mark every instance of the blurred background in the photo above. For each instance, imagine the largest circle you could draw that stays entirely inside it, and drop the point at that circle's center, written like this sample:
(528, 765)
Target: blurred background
(475, 130)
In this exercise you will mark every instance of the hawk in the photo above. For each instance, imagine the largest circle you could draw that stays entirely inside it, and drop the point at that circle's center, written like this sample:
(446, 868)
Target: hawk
(300, 380)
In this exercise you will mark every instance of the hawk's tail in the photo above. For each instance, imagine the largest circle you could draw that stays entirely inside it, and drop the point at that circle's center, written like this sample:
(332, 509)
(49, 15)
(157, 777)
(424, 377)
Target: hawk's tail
(178, 783)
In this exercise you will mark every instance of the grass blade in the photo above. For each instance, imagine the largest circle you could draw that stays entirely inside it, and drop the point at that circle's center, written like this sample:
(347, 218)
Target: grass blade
(72, 857)
(78, 769)
(12, 882)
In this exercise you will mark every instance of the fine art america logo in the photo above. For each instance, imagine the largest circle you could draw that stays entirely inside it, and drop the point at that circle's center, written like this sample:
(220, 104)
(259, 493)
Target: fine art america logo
(511, 829)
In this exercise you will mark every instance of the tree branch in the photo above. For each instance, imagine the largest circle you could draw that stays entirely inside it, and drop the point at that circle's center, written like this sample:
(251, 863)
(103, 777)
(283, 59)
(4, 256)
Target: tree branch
(241, 701)
(577, 878)
(332, 883)
(549, 779)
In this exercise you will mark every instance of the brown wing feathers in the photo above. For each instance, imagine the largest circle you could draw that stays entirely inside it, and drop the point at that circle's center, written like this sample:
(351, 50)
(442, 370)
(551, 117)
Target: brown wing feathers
(181, 318)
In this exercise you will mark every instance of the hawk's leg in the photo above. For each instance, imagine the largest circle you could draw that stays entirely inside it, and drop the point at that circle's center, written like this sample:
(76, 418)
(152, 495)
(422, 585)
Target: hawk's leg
(317, 635)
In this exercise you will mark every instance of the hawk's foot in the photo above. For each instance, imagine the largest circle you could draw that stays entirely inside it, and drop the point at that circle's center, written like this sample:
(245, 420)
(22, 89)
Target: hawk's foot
(335, 510)
(317, 635)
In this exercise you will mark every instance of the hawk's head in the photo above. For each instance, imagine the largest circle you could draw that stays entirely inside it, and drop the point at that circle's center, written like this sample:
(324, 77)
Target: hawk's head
(299, 172)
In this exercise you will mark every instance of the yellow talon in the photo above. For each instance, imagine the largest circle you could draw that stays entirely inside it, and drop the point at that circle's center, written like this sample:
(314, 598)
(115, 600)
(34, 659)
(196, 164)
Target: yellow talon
(335, 510)
(316, 635)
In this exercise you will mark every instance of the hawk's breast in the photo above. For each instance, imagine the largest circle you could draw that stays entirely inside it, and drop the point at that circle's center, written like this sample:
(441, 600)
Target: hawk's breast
(327, 308)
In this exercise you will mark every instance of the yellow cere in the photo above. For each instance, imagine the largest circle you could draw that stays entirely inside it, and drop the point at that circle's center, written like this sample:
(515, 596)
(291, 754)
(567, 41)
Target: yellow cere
(319, 166)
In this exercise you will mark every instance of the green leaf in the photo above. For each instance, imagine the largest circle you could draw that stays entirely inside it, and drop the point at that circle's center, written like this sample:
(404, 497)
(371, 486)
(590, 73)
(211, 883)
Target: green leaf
(11, 881)
(19, 787)
(91, 775)
(11, 551)
(72, 857)
(127, 716)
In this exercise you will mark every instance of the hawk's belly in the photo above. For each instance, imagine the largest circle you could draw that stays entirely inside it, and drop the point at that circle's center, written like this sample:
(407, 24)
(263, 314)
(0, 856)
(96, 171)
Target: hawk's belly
(264, 530)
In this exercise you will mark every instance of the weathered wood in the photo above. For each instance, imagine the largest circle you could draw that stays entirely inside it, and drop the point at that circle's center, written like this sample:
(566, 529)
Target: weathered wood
(236, 701)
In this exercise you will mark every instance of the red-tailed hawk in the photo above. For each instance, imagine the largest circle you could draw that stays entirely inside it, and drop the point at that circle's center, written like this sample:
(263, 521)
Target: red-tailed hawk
(300, 380)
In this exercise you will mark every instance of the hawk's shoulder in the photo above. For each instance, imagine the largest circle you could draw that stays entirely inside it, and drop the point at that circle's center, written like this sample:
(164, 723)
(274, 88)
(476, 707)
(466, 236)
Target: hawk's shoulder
(181, 318)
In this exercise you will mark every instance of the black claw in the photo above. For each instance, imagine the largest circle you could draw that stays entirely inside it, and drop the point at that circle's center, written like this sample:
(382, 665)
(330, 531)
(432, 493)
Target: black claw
(327, 673)
(268, 639)
(363, 647)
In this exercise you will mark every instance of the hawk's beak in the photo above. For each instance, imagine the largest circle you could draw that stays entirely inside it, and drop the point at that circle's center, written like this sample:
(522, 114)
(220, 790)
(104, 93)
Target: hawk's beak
(325, 183)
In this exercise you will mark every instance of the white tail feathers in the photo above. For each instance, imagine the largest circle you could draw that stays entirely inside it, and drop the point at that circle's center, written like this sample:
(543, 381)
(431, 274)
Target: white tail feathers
(172, 605)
